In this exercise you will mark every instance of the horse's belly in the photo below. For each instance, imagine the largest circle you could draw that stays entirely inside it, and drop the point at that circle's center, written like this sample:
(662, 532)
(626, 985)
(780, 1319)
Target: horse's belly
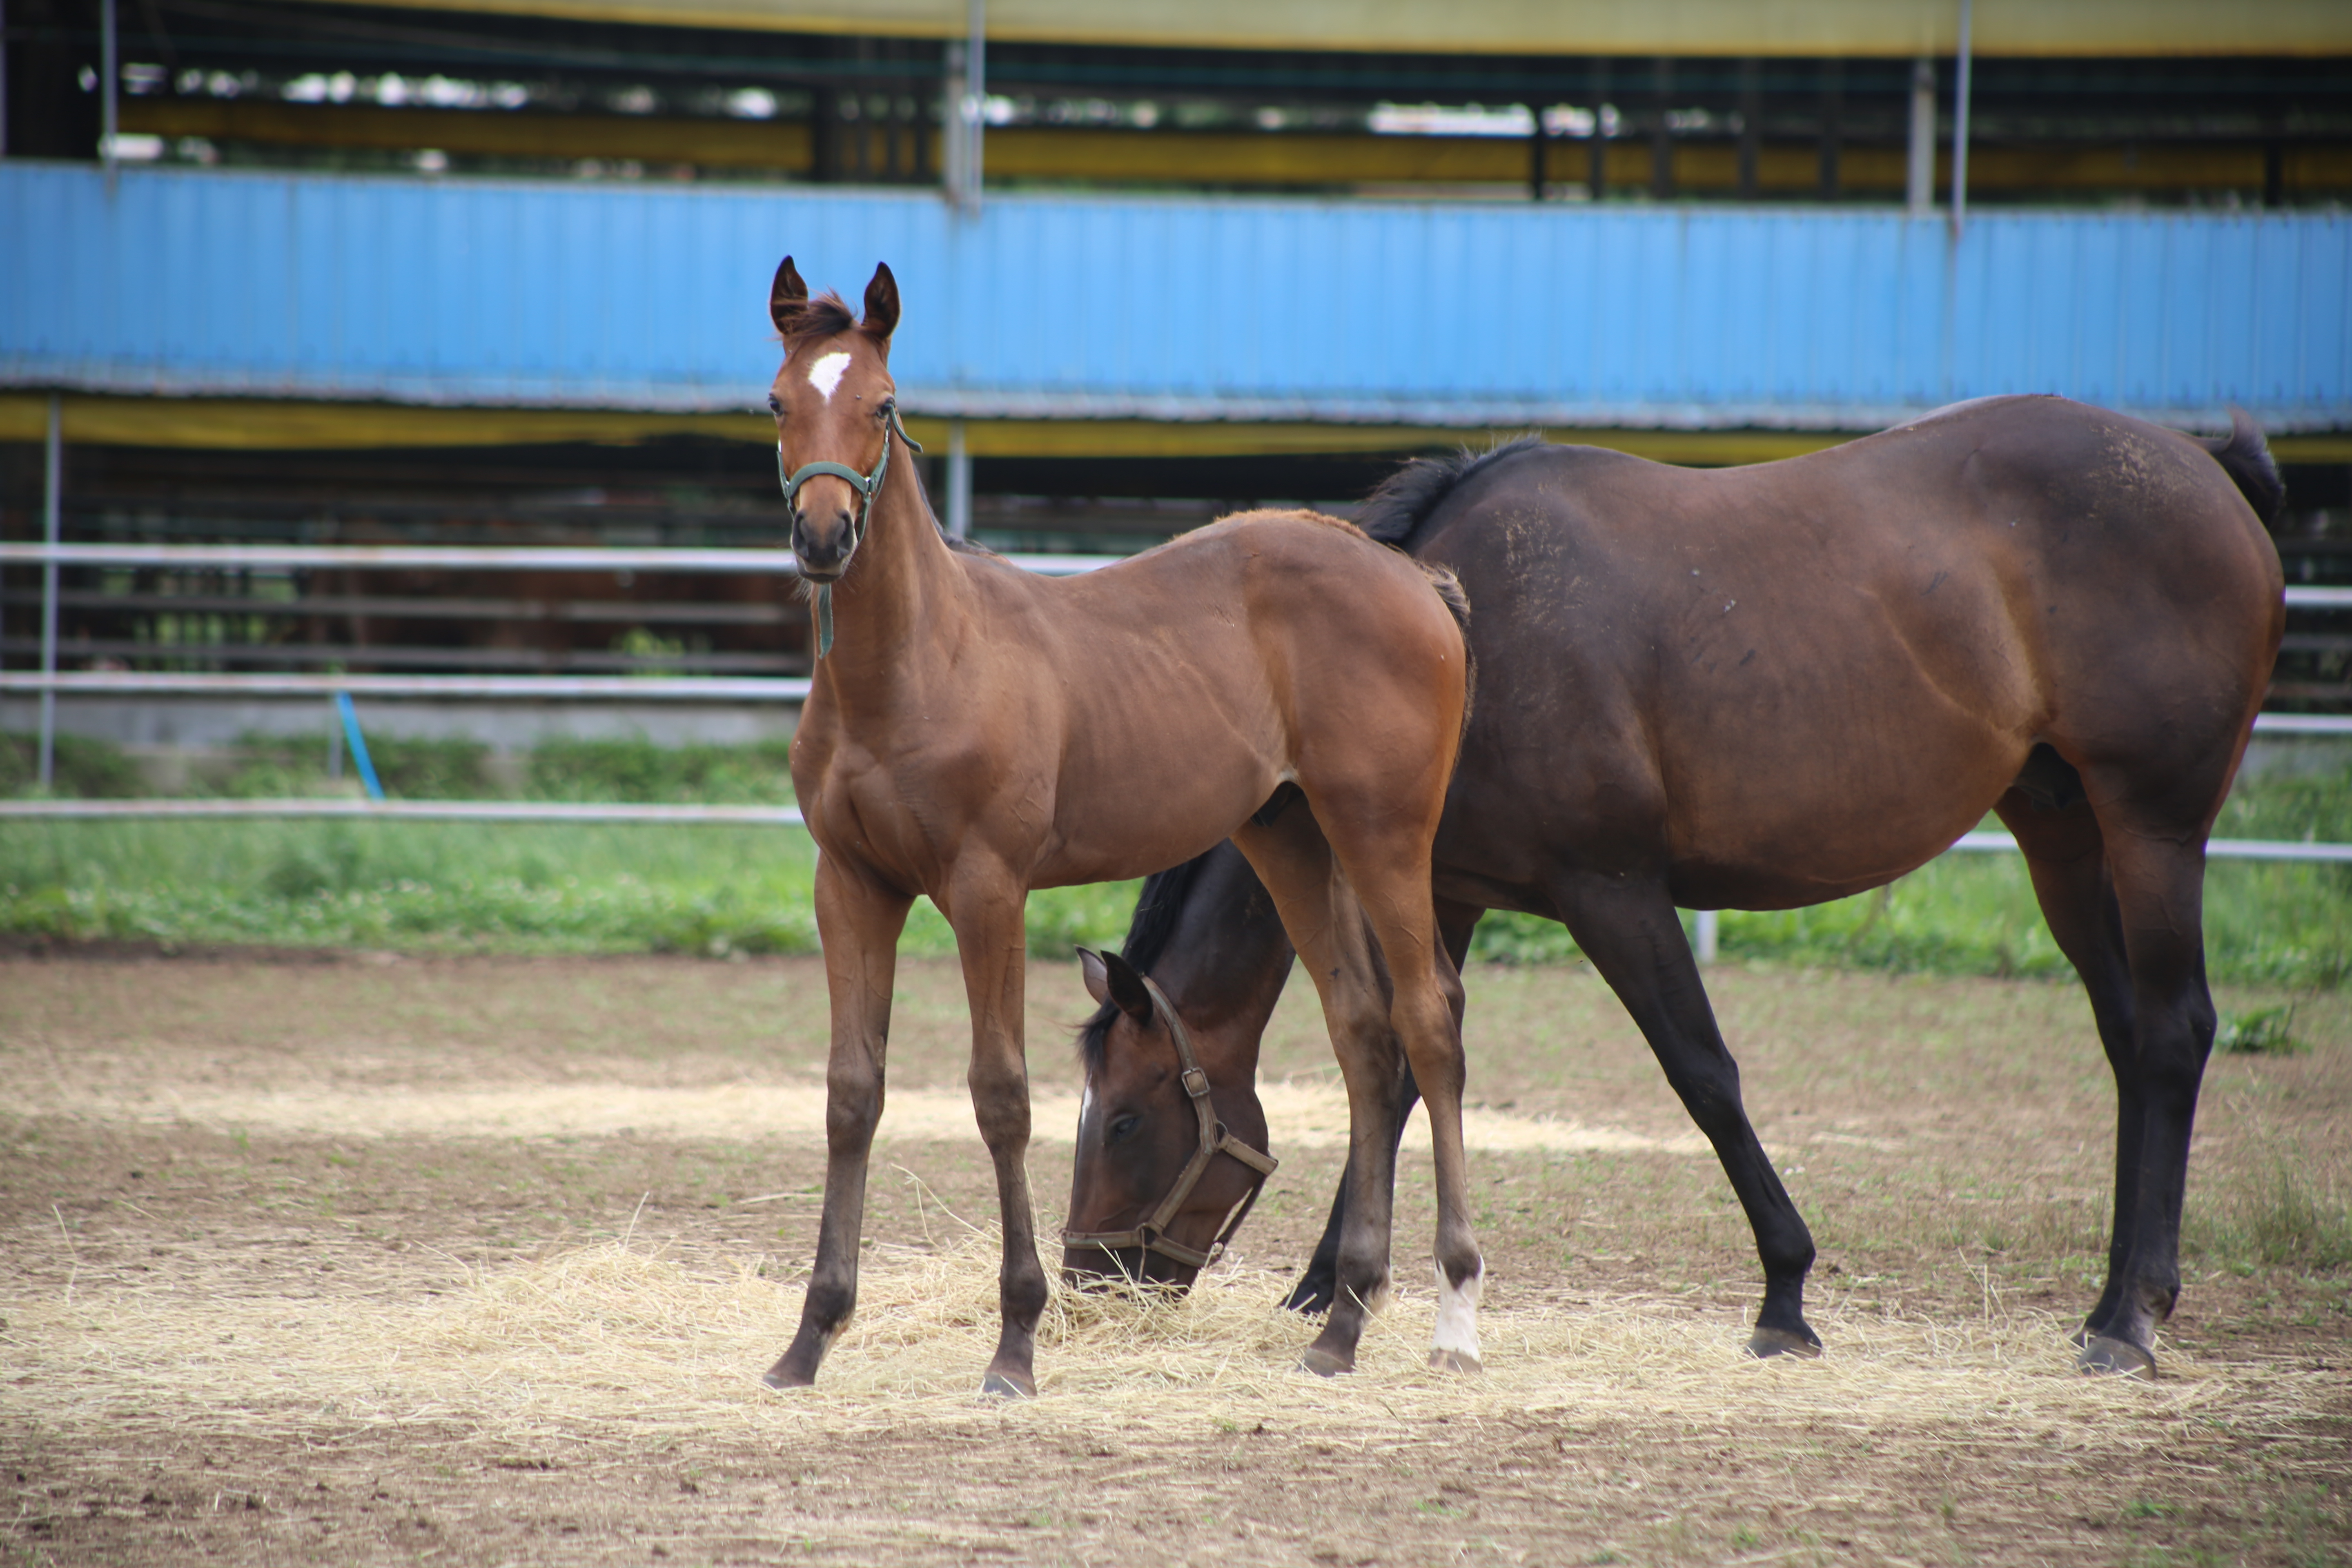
(1149, 814)
(1767, 829)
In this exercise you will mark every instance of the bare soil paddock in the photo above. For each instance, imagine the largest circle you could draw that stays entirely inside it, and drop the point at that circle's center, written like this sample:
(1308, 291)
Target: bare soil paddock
(478, 1261)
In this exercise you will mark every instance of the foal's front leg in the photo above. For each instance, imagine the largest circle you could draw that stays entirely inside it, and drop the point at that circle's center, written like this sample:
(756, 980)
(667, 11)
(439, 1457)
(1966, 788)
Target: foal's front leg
(858, 921)
(985, 908)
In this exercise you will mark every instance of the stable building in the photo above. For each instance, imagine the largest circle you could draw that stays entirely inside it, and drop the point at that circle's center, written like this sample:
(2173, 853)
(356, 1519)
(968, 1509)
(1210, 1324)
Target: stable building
(292, 274)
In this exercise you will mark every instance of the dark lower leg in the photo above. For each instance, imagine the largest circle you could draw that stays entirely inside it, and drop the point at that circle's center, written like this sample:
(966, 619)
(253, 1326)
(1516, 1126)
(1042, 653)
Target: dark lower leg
(1360, 1282)
(1634, 938)
(2066, 853)
(2158, 886)
(1320, 1283)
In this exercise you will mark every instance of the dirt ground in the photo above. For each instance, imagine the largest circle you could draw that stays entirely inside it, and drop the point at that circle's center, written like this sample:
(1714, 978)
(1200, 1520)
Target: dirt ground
(479, 1261)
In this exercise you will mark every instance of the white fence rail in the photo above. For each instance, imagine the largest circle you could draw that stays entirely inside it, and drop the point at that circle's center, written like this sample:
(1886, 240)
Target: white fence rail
(405, 810)
(49, 681)
(509, 688)
(786, 816)
(463, 557)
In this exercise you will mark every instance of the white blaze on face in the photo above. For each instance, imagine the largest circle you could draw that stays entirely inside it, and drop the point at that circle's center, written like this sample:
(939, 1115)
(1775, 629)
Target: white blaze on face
(1457, 1314)
(826, 373)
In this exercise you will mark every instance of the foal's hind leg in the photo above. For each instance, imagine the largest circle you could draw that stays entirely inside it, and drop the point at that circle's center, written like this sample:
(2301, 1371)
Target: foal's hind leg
(1325, 925)
(1319, 1284)
(2066, 856)
(1388, 872)
(1628, 928)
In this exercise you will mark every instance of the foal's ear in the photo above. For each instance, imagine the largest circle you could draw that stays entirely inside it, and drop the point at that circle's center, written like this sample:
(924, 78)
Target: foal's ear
(1127, 989)
(787, 298)
(1112, 981)
(1097, 978)
(881, 303)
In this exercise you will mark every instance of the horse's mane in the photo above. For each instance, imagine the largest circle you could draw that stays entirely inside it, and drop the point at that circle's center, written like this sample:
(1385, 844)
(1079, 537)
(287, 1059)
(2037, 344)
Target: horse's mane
(1148, 936)
(1404, 501)
(824, 316)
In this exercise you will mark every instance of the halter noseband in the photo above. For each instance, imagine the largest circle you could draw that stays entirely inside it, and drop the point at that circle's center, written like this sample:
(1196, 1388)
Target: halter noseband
(1151, 1235)
(867, 487)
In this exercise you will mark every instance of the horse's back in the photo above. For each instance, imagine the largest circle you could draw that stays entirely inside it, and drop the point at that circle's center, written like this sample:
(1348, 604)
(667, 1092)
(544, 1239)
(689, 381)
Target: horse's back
(1266, 647)
(1804, 678)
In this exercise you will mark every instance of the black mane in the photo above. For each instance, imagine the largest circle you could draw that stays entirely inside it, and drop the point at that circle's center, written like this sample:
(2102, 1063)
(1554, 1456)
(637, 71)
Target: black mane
(1403, 501)
(1157, 909)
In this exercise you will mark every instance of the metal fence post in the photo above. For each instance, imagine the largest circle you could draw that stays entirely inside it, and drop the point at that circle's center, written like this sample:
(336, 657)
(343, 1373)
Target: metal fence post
(52, 486)
(959, 482)
(110, 84)
(1920, 186)
(974, 107)
(1960, 124)
(1707, 923)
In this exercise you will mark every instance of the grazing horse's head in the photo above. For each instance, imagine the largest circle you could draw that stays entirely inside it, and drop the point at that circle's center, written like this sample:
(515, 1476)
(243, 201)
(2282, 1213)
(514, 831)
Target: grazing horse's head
(834, 404)
(1138, 1129)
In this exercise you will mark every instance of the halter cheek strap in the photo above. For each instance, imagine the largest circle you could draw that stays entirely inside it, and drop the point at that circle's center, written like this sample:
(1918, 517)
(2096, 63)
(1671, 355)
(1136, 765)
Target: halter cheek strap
(1151, 1235)
(867, 487)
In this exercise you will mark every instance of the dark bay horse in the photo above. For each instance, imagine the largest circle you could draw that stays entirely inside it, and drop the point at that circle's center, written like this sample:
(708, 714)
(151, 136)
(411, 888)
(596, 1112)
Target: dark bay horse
(975, 731)
(1768, 687)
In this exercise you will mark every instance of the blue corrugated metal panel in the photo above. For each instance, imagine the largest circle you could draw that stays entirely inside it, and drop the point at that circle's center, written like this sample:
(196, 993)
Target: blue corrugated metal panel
(651, 297)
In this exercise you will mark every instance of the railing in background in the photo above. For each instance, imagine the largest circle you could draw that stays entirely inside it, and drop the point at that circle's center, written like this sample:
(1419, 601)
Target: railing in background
(703, 688)
(50, 680)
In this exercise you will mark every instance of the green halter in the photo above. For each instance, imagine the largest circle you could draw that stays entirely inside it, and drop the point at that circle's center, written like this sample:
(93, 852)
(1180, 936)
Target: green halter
(867, 487)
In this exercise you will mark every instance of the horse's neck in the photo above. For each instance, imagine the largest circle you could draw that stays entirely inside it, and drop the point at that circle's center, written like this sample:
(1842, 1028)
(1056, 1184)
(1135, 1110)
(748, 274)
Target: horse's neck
(903, 600)
(1226, 968)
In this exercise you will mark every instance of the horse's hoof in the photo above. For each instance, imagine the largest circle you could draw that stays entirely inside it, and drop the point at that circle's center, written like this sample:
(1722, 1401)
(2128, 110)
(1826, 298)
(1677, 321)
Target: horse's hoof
(1766, 1343)
(1325, 1363)
(2102, 1353)
(783, 1375)
(1454, 1361)
(1007, 1385)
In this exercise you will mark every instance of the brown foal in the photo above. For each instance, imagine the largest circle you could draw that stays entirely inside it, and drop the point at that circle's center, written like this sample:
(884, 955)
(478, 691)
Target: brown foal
(975, 730)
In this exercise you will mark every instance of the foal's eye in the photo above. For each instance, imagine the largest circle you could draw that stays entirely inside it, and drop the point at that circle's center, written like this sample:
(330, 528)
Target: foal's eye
(775, 404)
(1124, 1128)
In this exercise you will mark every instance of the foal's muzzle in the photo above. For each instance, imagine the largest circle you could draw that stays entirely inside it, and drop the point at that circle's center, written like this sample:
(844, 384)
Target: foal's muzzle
(1102, 1267)
(822, 543)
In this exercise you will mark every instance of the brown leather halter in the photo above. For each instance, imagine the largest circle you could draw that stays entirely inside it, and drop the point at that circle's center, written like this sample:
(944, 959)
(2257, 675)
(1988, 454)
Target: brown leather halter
(1151, 1235)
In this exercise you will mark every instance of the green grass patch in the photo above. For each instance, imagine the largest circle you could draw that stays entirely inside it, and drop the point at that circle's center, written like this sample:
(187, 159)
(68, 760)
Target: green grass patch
(2289, 1208)
(510, 888)
(2275, 924)
(575, 888)
(83, 769)
(2266, 923)
(2263, 1032)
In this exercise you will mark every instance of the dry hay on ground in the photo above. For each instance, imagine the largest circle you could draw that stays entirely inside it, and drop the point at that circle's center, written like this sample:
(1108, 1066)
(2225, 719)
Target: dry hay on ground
(618, 1344)
(1310, 1113)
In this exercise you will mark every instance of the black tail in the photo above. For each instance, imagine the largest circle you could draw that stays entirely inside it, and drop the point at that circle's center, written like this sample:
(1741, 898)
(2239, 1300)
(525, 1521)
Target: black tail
(2245, 457)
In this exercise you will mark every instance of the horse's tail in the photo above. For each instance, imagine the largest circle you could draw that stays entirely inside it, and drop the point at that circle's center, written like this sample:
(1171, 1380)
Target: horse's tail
(2245, 457)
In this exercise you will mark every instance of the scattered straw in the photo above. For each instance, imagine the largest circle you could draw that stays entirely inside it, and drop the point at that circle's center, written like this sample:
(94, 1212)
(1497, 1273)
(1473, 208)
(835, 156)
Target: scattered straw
(622, 1344)
(1301, 1114)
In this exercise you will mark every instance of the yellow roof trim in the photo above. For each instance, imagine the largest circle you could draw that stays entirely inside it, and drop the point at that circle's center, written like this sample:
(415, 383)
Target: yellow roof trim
(263, 424)
(268, 424)
(1899, 28)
